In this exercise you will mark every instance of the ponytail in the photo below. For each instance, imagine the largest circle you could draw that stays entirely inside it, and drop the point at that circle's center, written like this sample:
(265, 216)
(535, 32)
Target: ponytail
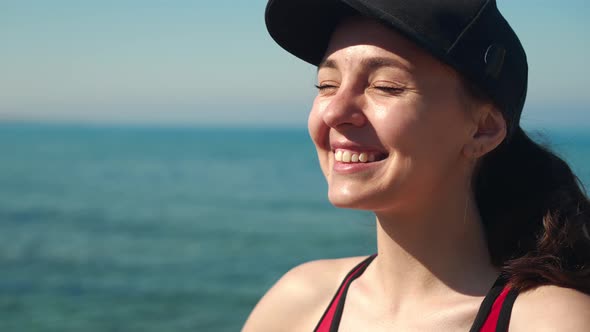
(535, 214)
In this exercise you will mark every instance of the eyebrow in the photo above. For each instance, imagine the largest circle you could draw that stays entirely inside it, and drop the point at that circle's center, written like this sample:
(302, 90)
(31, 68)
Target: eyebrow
(368, 63)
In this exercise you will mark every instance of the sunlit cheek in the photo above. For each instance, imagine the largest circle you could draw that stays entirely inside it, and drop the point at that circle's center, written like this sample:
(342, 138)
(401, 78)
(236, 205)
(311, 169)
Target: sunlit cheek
(399, 125)
(314, 123)
(381, 112)
(317, 132)
(396, 134)
(325, 163)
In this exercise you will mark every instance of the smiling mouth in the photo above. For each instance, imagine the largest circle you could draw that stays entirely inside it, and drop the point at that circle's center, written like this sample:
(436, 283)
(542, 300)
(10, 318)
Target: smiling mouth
(350, 157)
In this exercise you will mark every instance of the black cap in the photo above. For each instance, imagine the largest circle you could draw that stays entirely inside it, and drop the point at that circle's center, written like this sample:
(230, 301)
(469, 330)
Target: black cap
(471, 36)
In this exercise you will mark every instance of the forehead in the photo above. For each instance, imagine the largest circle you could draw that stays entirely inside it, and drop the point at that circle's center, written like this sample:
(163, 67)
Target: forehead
(357, 39)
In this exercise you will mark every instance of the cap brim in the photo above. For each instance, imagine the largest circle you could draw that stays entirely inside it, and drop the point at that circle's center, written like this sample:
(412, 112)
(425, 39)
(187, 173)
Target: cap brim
(303, 27)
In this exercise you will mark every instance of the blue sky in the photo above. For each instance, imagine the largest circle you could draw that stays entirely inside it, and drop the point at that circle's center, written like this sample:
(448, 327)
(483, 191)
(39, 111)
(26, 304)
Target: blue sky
(212, 63)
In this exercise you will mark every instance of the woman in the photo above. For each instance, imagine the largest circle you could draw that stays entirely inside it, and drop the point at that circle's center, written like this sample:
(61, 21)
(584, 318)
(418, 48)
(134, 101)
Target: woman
(416, 119)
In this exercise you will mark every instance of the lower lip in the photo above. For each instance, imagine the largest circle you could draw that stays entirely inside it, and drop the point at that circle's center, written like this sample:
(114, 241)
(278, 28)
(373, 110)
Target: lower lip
(349, 168)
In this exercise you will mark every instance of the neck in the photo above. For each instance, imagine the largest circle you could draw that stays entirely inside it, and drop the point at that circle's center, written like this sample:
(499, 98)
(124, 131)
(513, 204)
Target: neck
(432, 251)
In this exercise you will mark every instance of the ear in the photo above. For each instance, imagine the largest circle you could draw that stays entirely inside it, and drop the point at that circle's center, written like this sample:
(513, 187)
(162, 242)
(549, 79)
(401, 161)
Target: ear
(488, 132)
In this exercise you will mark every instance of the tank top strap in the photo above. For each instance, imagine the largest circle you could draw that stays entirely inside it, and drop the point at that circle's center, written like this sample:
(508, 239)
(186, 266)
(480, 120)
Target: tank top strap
(496, 308)
(493, 314)
(331, 317)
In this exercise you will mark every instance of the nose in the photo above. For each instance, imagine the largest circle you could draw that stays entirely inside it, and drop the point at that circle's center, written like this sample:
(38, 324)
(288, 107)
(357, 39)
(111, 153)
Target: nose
(344, 108)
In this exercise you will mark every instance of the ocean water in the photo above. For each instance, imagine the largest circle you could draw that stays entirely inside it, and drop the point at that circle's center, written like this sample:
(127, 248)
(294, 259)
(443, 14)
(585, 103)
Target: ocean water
(167, 229)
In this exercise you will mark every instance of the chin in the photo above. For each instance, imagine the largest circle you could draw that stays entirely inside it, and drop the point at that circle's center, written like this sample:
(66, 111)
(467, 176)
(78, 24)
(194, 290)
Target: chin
(348, 200)
(360, 197)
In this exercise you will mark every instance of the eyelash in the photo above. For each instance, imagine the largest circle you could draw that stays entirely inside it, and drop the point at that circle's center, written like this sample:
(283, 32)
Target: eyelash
(394, 90)
(390, 89)
(324, 87)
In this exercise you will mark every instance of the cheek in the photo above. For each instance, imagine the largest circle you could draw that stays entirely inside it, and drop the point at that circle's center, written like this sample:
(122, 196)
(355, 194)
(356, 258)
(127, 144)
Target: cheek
(436, 141)
(313, 124)
(318, 130)
(418, 130)
(399, 126)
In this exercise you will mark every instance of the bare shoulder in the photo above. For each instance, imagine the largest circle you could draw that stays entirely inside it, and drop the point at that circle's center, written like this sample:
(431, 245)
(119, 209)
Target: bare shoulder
(551, 308)
(297, 301)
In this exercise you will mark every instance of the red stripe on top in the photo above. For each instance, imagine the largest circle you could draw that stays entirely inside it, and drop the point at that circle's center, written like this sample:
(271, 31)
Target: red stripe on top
(329, 317)
(492, 321)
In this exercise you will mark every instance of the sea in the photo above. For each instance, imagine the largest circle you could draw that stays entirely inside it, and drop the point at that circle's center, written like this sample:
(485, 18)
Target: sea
(145, 228)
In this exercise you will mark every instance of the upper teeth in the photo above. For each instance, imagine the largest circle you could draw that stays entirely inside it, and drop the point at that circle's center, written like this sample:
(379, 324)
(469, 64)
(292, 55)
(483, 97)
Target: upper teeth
(346, 156)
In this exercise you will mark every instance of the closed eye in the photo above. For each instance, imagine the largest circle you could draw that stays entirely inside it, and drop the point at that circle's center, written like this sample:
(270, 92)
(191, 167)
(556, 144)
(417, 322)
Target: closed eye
(326, 88)
(390, 89)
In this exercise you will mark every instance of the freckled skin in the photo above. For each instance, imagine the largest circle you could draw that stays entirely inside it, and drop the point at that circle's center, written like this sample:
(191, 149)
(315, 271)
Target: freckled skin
(415, 112)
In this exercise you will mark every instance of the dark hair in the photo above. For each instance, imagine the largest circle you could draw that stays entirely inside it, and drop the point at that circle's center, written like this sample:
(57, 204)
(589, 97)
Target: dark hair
(535, 214)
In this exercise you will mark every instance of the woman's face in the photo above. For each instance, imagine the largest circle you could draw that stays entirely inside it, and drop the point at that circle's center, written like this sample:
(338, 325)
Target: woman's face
(389, 122)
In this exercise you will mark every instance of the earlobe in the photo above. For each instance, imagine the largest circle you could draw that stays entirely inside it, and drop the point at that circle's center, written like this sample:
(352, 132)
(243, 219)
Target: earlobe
(472, 151)
(490, 131)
